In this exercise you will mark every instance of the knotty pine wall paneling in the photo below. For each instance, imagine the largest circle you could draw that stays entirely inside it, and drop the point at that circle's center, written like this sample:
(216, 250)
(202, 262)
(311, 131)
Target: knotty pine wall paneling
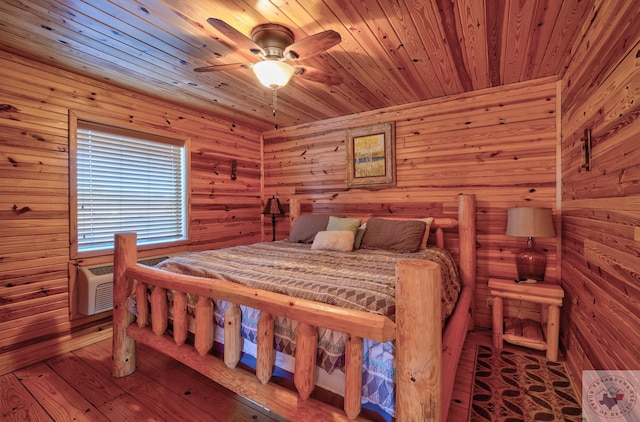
(601, 207)
(498, 143)
(37, 278)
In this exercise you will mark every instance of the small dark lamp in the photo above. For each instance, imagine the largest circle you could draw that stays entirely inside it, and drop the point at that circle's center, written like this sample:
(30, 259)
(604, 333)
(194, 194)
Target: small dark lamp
(274, 208)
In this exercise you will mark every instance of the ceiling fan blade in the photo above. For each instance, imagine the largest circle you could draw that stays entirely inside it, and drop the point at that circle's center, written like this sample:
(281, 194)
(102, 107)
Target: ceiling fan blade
(317, 75)
(218, 67)
(312, 45)
(234, 35)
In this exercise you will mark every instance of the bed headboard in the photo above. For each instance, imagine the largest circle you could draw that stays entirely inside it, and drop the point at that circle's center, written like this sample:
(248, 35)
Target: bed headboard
(300, 205)
(464, 224)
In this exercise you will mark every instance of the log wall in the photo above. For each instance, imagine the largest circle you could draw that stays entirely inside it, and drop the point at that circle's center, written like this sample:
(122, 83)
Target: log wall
(37, 290)
(498, 143)
(601, 207)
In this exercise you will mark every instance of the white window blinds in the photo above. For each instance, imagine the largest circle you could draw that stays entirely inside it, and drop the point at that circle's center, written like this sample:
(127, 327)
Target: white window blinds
(128, 184)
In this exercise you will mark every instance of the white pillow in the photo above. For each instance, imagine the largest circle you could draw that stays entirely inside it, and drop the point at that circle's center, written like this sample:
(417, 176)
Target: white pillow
(334, 240)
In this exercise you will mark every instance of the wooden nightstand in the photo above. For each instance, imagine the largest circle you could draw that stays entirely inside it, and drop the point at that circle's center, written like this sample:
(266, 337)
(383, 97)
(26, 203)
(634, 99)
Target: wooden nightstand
(542, 335)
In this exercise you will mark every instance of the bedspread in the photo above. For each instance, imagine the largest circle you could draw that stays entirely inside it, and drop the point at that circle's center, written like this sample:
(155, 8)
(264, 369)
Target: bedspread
(362, 280)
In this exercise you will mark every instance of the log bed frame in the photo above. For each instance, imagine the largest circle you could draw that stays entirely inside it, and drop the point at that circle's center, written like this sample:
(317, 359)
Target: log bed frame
(424, 352)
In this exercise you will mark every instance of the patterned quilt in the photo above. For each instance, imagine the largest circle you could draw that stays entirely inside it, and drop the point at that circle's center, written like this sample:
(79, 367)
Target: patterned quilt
(361, 279)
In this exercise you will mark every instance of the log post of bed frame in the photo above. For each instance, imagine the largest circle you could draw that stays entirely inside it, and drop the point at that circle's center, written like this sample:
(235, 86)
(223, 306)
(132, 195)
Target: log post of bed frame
(124, 347)
(418, 341)
(467, 236)
(266, 352)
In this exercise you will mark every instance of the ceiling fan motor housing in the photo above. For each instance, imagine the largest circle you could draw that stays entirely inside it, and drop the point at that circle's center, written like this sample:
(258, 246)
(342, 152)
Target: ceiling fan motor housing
(273, 39)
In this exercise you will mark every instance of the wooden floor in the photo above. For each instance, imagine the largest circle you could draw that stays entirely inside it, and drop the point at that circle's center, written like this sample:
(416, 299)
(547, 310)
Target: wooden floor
(78, 386)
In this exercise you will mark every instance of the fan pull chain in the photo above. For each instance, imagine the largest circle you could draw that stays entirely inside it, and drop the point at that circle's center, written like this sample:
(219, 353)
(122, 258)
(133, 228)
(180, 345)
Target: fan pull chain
(275, 108)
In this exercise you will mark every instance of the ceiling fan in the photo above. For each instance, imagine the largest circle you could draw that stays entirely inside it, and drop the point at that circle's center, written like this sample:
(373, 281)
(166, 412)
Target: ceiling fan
(275, 45)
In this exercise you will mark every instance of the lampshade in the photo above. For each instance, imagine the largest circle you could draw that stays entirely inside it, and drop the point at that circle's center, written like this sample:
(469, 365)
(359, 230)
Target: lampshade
(530, 222)
(273, 206)
(273, 74)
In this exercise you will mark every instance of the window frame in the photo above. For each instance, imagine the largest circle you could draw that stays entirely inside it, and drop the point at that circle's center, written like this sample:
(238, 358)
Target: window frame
(75, 119)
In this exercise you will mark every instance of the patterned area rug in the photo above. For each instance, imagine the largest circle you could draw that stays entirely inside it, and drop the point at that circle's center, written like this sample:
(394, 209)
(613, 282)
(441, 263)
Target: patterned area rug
(511, 387)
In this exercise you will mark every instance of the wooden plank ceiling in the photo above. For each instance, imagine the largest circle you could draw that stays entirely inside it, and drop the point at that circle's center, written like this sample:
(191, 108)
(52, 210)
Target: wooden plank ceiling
(392, 51)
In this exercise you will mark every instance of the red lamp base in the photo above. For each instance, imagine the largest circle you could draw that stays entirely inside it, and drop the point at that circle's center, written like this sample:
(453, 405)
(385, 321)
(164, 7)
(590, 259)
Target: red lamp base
(531, 263)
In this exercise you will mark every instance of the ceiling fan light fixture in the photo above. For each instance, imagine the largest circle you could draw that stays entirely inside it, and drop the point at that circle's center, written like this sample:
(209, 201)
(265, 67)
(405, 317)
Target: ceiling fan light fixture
(273, 74)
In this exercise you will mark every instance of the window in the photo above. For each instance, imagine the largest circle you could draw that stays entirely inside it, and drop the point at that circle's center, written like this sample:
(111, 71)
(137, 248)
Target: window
(128, 181)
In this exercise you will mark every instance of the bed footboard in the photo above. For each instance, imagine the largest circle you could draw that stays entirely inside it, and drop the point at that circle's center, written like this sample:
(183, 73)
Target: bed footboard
(418, 360)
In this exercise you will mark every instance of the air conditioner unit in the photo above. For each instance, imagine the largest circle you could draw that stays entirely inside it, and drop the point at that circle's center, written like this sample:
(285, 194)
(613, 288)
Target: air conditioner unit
(95, 285)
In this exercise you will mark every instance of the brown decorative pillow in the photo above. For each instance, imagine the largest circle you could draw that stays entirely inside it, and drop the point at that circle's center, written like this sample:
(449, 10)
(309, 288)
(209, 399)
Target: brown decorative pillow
(428, 221)
(396, 235)
(307, 226)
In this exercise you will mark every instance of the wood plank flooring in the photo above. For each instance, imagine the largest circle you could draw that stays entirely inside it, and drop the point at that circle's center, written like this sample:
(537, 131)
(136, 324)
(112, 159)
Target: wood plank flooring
(78, 386)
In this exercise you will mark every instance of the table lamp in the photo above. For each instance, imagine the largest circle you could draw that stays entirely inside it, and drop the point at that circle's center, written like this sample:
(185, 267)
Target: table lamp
(530, 223)
(273, 207)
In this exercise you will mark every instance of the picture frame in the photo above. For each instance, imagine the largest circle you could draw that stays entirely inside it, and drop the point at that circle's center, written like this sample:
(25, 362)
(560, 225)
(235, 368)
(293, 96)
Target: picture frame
(371, 156)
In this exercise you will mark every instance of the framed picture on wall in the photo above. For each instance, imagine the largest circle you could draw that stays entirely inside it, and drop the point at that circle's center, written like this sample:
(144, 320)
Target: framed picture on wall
(371, 156)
